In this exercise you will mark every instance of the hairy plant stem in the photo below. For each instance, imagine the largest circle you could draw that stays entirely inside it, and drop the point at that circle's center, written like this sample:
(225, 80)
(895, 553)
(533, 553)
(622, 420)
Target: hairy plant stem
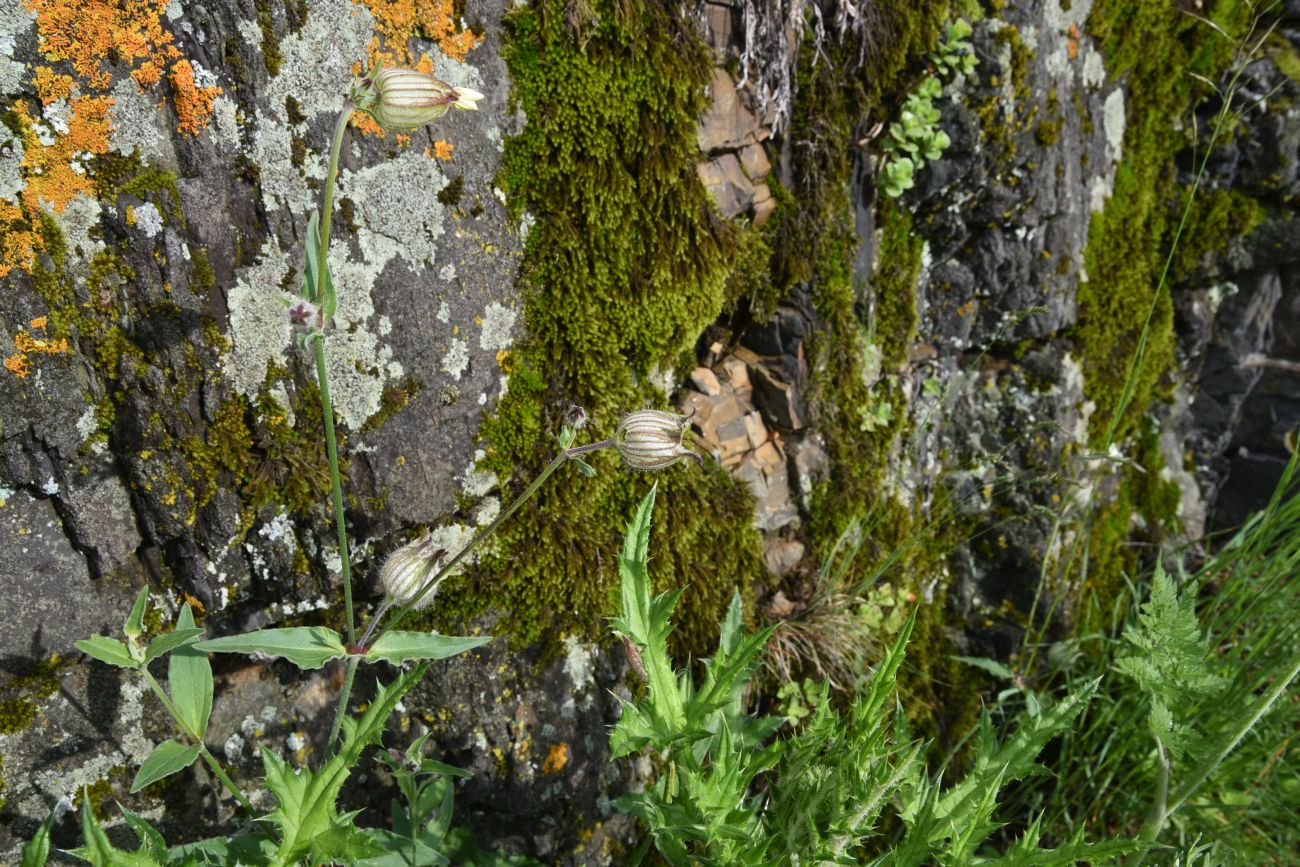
(322, 373)
(327, 413)
(345, 694)
(203, 748)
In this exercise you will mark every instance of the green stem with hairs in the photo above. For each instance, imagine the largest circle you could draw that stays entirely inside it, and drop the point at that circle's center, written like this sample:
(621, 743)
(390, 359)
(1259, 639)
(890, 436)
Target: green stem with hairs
(203, 748)
(345, 695)
(322, 374)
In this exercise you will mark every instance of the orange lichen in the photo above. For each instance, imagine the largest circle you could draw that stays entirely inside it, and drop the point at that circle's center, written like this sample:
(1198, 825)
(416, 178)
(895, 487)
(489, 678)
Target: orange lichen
(51, 85)
(54, 176)
(19, 364)
(397, 21)
(87, 32)
(366, 125)
(442, 149)
(193, 103)
(557, 756)
(87, 35)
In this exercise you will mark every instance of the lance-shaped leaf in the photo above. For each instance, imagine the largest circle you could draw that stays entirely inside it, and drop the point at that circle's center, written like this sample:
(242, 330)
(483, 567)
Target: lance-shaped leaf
(166, 759)
(398, 647)
(134, 624)
(108, 650)
(172, 640)
(304, 646)
(189, 679)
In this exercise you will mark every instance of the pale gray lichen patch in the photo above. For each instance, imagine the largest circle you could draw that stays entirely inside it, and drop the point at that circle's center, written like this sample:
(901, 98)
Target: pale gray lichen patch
(139, 125)
(456, 359)
(1112, 122)
(398, 199)
(283, 184)
(11, 165)
(259, 323)
(15, 21)
(498, 322)
(317, 60)
(225, 125)
(359, 366)
(77, 219)
(477, 482)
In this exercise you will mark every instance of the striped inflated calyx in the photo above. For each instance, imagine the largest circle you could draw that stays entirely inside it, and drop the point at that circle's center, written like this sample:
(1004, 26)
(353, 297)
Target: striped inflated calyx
(408, 569)
(402, 100)
(652, 440)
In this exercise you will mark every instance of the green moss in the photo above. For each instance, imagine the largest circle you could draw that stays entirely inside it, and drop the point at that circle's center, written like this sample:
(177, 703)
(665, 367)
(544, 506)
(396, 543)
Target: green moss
(251, 446)
(203, 276)
(1048, 132)
(272, 56)
(626, 265)
(32, 682)
(1215, 219)
(1154, 47)
(815, 243)
(1285, 55)
(392, 400)
(450, 194)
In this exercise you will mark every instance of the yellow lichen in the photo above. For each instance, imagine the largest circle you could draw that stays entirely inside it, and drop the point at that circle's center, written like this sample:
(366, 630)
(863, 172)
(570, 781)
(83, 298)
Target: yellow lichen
(442, 149)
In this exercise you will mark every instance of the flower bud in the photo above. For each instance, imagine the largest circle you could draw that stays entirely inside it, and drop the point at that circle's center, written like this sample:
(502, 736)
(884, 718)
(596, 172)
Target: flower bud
(402, 100)
(576, 417)
(652, 440)
(408, 569)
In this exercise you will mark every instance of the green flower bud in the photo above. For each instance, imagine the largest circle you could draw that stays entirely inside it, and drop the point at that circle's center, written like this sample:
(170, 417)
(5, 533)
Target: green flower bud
(403, 100)
(408, 569)
(652, 440)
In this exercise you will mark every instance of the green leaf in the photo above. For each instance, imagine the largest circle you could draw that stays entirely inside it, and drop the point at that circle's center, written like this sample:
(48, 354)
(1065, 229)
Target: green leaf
(96, 849)
(992, 666)
(151, 841)
(166, 759)
(189, 679)
(172, 640)
(313, 248)
(398, 647)
(307, 647)
(37, 850)
(306, 811)
(134, 624)
(108, 650)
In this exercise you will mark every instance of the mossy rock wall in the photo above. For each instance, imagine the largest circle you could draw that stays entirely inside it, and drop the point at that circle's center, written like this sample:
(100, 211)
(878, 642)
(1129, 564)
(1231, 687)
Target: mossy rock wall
(962, 352)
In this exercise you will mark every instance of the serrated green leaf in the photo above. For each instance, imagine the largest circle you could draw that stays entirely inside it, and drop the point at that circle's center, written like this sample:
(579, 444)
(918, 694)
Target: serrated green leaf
(108, 650)
(134, 624)
(189, 679)
(166, 759)
(172, 640)
(37, 850)
(96, 848)
(396, 647)
(306, 809)
(151, 840)
(307, 647)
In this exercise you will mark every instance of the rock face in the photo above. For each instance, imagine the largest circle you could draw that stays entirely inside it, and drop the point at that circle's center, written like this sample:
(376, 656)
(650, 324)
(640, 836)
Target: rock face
(160, 427)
